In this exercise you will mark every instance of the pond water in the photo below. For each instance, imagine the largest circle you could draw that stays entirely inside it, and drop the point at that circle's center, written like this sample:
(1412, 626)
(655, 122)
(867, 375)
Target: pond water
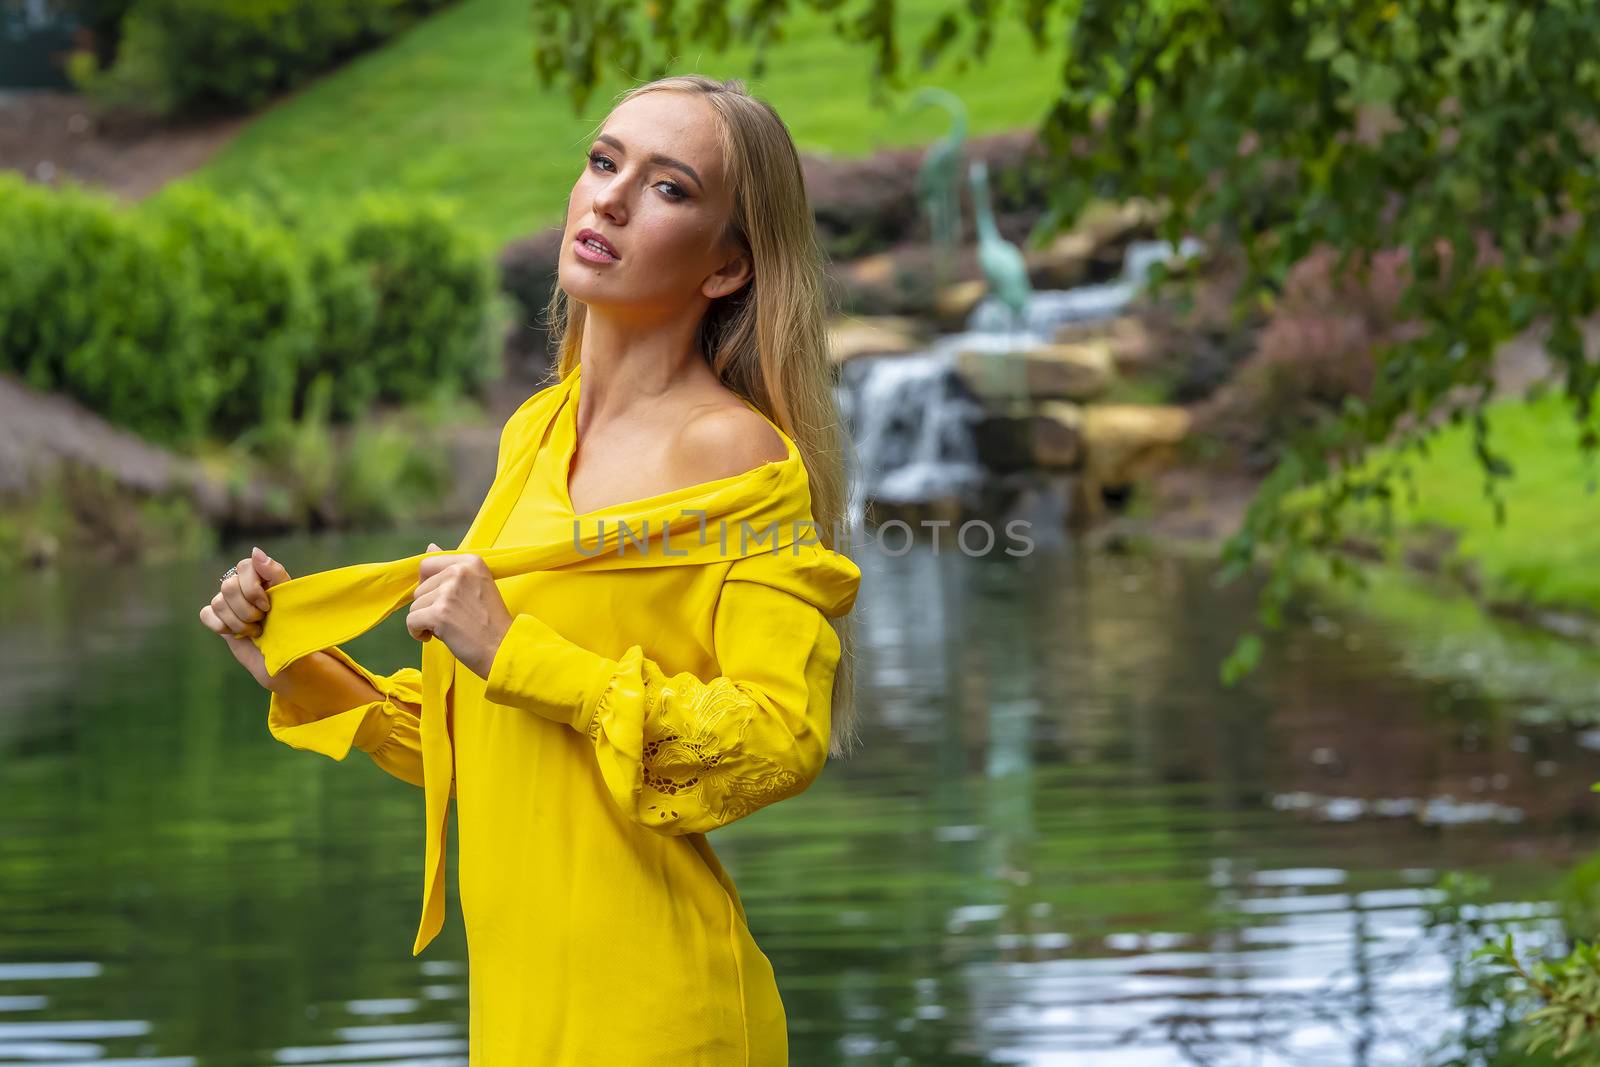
(1064, 842)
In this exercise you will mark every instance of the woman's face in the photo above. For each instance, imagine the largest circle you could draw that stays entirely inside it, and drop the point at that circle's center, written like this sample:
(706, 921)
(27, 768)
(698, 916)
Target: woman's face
(652, 185)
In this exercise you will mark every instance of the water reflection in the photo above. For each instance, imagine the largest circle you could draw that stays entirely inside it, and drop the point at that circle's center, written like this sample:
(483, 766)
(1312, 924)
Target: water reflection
(1065, 842)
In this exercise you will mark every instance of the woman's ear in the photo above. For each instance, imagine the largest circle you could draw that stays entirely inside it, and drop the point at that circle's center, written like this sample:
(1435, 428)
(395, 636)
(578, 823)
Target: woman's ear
(730, 277)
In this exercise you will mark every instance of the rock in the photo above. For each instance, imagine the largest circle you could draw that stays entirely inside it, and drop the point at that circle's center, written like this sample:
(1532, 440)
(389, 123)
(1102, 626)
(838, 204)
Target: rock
(528, 270)
(954, 303)
(902, 281)
(873, 270)
(529, 265)
(1023, 436)
(1057, 431)
(1105, 224)
(874, 335)
(1002, 438)
(1070, 372)
(1050, 372)
(1123, 444)
(1063, 264)
(1132, 344)
(41, 431)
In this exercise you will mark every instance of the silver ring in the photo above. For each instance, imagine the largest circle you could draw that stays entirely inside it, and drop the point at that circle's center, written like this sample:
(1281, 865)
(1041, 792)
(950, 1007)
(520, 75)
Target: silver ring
(231, 571)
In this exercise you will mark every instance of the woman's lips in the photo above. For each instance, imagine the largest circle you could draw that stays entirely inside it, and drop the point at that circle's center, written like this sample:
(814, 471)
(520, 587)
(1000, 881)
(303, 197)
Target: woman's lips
(593, 255)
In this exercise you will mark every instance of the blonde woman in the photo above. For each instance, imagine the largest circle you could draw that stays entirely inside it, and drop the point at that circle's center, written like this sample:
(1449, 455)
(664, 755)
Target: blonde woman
(594, 709)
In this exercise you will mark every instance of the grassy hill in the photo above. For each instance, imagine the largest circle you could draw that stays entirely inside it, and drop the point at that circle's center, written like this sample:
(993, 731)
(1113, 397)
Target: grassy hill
(1543, 554)
(453, 107)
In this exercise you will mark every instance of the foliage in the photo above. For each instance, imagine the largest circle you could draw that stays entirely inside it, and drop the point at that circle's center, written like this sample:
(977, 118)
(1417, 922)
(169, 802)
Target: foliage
(197, 314)
(387, 474)
(297, 451)
(1355, 124)
(37, 528)
(1517, 1012)
(434, 283)
(97, 306)
(1313, 351)
(386, 471)
(260, 320)
(344, 291)
(1540, 556)
(102, 19)
(234, 55)
(1579, 897)
(1566, 1021)
(1488, 1023)
(349, 317)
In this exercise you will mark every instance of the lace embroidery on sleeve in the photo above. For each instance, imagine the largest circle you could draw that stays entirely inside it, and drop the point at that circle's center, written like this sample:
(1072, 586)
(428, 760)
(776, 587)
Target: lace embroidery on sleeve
(699, 753)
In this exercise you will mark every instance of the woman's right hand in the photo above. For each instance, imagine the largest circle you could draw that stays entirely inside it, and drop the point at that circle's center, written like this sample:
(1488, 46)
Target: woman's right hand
(239, 606)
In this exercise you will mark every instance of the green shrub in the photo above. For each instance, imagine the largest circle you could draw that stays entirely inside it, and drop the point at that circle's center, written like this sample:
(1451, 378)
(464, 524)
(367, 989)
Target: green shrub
(260, 320)
(349, 314)
(297, 453)
(434, 282)
(194, 313)
(390, 473)
(232, 55)
(346, 298)
(95, 306)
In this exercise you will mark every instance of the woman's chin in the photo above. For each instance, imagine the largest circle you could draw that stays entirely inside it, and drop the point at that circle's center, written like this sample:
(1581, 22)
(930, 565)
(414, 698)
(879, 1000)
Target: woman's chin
(583, 285)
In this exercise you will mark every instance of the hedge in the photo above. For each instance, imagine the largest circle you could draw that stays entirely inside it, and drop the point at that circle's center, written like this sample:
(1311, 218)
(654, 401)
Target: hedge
(260, 319)
(94, 304)
(193, 314)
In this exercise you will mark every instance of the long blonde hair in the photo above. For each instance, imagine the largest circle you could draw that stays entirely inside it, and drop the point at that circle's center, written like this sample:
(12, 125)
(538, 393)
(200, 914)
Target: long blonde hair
(768, 342)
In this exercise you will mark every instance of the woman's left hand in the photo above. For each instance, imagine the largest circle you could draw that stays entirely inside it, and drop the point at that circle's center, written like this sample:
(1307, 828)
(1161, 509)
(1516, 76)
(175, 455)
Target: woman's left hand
(457, 602)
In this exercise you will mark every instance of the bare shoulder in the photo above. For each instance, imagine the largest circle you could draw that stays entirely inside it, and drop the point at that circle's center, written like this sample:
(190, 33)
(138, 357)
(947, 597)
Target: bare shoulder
(724, 441)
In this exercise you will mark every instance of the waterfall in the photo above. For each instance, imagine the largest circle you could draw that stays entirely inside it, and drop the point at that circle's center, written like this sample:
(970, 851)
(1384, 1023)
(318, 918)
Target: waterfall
(909, 415)
(909, 419)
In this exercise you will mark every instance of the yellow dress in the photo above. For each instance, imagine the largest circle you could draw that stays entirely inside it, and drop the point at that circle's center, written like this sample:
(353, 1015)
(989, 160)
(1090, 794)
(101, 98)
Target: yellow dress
(655, 684)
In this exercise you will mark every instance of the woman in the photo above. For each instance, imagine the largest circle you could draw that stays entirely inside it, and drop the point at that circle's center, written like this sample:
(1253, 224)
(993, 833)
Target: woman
(595, 712)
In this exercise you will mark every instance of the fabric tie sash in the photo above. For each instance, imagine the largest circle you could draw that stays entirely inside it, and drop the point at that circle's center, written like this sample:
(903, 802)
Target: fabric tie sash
(763, 509)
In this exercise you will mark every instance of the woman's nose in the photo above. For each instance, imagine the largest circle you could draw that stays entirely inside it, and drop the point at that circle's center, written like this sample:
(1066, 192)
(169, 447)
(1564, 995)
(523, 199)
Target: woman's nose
(610, 200)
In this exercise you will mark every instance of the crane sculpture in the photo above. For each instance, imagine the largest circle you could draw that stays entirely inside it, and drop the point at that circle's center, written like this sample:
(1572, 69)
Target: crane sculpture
(938, 182)
(1006, 271)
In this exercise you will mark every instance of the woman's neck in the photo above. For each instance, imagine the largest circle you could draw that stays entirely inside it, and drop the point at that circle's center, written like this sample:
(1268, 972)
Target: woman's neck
(626, 365)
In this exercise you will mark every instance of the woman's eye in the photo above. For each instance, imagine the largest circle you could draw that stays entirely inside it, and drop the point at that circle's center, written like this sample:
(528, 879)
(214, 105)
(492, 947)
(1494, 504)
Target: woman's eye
(675, 190)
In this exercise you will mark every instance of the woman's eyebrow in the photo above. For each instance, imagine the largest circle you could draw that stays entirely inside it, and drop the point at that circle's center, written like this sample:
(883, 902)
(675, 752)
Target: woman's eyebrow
(656, 157)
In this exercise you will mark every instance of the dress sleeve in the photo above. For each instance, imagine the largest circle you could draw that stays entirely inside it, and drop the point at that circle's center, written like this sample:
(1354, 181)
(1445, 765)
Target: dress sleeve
(681, 754)
(383, 729)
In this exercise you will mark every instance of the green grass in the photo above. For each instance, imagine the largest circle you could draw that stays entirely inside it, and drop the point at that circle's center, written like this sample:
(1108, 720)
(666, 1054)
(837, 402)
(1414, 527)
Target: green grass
(1544, 553)
(453, 107)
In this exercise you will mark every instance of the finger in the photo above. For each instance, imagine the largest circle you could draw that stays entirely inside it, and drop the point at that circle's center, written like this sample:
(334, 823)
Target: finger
(435, 564)
(418, 607)
(272, 572)
(250, 585)
(229, 618)
(212, 623)
(437, 581)
(233, 593)
(418, 623)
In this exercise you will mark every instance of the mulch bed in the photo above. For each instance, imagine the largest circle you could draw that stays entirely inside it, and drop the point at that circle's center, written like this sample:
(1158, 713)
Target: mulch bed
(51, 135)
